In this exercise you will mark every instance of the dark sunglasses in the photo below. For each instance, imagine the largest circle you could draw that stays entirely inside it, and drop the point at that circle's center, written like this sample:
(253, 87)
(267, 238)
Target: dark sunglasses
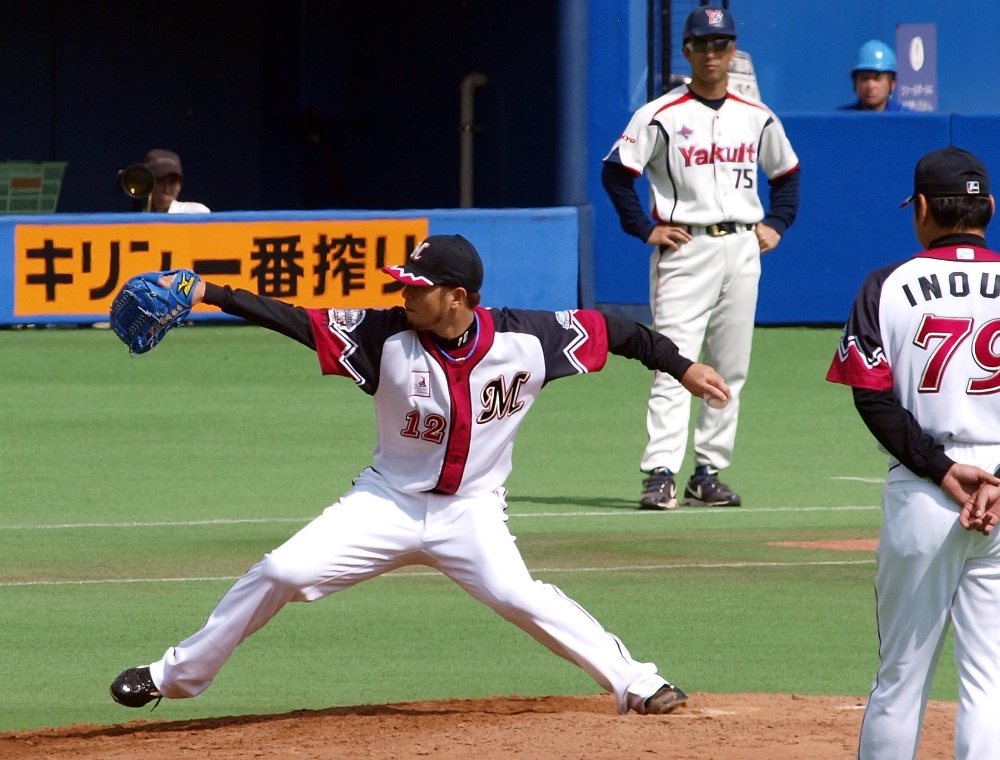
(705, 46)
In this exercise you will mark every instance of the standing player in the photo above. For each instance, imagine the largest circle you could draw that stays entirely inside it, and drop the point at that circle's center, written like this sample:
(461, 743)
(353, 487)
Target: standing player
(451, 382)
(921, 350)
(701, 146)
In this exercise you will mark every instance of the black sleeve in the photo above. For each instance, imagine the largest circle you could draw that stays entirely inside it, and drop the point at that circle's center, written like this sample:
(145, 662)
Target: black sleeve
(619, 183)
(901, 435)
(271, 313)
(655, 350)
(784, 202)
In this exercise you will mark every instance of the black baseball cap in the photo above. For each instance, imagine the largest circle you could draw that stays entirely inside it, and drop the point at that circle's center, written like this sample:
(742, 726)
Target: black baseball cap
(441, 260)
(949, 172)
(709, 22)
(163, 162)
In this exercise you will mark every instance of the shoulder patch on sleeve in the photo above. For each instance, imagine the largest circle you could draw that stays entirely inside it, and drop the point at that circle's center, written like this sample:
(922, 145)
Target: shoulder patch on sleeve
(588, 349)
(345, 320)
(335, 345)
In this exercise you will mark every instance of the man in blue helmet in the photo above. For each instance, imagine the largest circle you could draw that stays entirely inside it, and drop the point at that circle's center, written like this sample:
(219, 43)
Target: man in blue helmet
(874, 76)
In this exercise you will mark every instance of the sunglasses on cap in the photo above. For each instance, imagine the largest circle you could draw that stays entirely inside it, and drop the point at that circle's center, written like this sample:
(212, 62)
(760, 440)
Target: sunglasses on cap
(696, 45)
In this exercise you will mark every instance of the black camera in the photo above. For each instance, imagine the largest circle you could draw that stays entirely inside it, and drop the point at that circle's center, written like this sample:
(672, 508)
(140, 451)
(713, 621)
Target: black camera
(137, 183)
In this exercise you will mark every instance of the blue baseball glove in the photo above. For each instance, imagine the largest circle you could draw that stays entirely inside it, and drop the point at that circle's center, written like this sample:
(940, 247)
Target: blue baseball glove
(143, 311)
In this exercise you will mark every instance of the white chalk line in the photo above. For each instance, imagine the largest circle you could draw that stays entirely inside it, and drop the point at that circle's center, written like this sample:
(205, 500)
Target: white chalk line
(433, 573)
(159, 524)
(519, 515)
(860, 480)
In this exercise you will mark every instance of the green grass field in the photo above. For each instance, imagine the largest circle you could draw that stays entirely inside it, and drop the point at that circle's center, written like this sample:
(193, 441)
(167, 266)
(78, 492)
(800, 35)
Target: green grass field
(122, 481)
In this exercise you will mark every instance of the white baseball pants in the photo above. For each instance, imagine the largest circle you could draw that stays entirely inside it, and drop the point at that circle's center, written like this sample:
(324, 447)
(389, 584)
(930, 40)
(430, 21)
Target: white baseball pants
(703, 296)
(931, 571)
(374, 529)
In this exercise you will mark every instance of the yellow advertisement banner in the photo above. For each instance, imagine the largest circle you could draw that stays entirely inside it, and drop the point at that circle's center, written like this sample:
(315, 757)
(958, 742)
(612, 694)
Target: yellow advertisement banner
(78, 269)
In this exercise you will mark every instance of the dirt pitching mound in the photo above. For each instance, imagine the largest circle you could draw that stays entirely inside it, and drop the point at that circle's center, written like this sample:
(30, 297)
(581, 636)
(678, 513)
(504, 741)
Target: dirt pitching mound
(844, 545)
(718, 726)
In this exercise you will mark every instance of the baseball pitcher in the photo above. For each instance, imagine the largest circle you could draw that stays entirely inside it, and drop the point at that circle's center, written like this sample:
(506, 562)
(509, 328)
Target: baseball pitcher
(451, 382)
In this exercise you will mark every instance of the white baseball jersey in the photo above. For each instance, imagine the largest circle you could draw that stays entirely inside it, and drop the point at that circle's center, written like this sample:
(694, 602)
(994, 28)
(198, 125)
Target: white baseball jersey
(448, 426)
(702, 163)
(929, 330)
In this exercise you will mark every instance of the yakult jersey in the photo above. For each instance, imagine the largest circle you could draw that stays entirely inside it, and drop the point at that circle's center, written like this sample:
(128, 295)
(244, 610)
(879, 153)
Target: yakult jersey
(449, 426)
(702, 163)
(928, 329)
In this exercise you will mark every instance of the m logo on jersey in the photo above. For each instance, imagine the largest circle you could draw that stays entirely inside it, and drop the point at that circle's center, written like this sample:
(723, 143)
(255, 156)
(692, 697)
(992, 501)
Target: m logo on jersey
(719, 154)
(714, 17)
(685, 132)
(499, 400)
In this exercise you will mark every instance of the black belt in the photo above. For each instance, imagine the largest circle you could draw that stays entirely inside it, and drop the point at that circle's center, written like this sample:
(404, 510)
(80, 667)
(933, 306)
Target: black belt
(718, 230)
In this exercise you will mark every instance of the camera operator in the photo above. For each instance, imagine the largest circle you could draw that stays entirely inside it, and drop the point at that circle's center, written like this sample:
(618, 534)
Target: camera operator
(165, 166)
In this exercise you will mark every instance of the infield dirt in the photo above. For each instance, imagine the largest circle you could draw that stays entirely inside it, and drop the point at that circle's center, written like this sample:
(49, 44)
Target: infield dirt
(717, 726)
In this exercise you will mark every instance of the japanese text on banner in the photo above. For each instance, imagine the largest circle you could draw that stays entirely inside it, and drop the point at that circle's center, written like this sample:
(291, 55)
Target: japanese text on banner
(78, 269)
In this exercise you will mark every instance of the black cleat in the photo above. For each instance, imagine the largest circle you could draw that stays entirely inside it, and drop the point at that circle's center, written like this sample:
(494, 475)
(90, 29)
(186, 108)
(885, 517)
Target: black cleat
(135, 688)
(705, 490)
(667, 699)
(660, 491)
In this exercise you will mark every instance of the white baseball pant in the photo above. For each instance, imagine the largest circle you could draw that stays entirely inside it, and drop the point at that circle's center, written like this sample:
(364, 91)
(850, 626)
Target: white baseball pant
(931, 571)
(374, 529)
(703, 295)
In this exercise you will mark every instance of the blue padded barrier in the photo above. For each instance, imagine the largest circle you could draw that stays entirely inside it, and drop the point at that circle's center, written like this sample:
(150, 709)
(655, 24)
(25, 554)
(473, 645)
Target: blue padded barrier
(531, 256)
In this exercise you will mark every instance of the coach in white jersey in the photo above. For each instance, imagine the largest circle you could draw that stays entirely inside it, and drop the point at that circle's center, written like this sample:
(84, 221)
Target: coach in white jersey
(921, 350)
(451, 382)
(701, 146)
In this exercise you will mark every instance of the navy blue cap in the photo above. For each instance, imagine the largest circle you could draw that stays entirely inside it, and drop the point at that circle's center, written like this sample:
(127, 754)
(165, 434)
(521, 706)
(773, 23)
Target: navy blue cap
(441, 260)
(949, 172)
(709, 22)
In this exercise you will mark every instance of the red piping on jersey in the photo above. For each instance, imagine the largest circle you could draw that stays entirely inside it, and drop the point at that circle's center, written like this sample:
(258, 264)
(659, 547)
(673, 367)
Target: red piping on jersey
(332, 348)
(456, 453)
(682, 99)
(950, 253)
(738, 99)
(850, 368)
(793, 169)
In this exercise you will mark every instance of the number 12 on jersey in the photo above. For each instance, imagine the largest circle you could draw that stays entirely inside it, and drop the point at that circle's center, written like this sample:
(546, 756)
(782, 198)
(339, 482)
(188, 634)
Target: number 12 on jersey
(434, 427)
(952, 332)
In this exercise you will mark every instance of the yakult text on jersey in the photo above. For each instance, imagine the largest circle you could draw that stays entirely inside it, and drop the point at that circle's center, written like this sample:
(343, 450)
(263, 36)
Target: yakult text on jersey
(718, 154)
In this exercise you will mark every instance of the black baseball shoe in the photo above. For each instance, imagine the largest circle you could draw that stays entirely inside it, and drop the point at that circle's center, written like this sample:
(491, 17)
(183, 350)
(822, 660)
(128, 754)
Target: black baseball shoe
(135, 688)
(660, 490)
(667, 699)
(705, 490)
